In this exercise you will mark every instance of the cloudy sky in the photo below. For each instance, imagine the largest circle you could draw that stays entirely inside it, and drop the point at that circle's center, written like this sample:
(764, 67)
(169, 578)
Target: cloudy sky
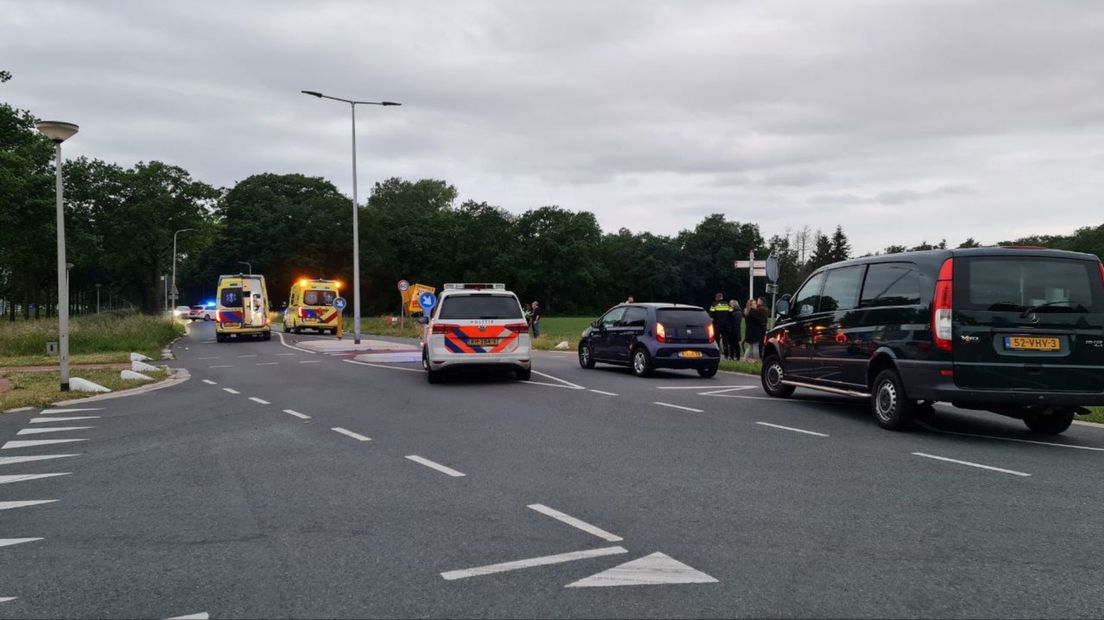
(903, 121)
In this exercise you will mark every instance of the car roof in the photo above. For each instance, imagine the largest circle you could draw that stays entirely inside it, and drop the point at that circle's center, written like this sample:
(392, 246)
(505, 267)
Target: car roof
(933, 259)
(663, 305)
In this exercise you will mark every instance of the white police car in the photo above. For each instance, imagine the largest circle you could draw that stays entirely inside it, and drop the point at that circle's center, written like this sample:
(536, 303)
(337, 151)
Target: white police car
(476, 325)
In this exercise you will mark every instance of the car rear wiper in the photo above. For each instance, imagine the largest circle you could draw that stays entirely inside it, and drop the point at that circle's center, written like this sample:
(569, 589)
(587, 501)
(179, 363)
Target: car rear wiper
(1031, 309)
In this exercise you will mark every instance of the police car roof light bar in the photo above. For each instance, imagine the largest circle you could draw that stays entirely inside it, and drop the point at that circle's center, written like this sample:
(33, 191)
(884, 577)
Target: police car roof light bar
(474, 286)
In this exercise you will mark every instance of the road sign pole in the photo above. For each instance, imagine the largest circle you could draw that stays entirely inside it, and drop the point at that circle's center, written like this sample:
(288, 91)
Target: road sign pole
(751, 275)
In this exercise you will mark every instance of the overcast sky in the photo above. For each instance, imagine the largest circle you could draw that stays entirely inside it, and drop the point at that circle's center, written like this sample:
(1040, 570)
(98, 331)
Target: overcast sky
(903, 121)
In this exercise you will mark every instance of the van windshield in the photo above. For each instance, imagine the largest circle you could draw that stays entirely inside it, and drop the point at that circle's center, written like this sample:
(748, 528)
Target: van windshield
(230, 298)
(478, 306)
(1028, 284)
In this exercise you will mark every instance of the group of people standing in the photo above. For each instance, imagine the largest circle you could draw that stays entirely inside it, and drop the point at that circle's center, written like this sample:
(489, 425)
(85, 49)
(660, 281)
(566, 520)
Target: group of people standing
(727, 318)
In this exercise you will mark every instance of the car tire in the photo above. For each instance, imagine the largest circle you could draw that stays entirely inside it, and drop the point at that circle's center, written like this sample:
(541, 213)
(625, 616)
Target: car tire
(523, 374)
(220, 338)
(771, 377)
(267, 336)
(708, 372)
(586, 355)
(432, 376)
(642, 362)
(206, 317)
(888, 403)
(1054, 424)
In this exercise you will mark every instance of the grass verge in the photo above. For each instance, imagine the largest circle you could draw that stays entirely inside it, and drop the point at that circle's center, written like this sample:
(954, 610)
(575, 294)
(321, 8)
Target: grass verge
(750, 368)
(38, 389)
(106, 337)
(1097, 415)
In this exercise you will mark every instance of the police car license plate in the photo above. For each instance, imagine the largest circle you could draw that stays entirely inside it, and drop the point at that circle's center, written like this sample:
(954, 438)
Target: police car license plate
(690, 354)
(1031, 343)
(483, 342)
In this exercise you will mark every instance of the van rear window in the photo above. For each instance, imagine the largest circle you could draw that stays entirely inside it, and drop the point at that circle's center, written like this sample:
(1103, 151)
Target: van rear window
(694, 317)
(318, 298)
(230, 298)
(1020, 284)
(478, 306)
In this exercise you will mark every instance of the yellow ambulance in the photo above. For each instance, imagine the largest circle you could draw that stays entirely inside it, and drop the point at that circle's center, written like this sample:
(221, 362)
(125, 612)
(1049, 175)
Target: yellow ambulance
(242, 308)
(310, 306)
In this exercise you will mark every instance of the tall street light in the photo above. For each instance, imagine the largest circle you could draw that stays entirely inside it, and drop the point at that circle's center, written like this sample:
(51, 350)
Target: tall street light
(173, 295)
(59, 132)
(247, 264)
(356, 234)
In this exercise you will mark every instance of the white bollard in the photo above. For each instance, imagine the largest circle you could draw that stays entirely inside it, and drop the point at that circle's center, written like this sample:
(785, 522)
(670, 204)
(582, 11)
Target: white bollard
(84, 385)
(138, 357)
(142, 367)
(130, 375)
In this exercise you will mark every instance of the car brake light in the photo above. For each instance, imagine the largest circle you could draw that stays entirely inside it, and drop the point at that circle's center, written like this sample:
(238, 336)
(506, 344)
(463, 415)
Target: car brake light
(1101, 265)
(942, 307)
(443, 328)
(712, 332)
(518, 328)
(661, 332)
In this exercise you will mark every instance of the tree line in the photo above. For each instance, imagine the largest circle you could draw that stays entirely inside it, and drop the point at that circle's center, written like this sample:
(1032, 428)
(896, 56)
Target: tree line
(120, 223)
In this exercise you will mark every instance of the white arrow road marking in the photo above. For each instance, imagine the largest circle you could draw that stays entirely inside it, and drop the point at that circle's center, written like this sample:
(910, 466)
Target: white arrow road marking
(690, 409)
(260, 401)
(968, 463)
(530, 562)
(29, 443)
(349, 433)
(573, 522)
(23, 477)
(439, 467)
(790, 428)
(52, 429)
(24, 504)
(48, 412)
(6, 542)
(12, 460)
(655, 569)
(70, 419)
(297, 414)
(200, 616)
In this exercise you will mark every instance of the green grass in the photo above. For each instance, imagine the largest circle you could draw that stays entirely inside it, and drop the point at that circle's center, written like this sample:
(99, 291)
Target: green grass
(556, 329)
(750, 368)
(377, 326)
(38, 389)
(1097, 415)
(101, 338)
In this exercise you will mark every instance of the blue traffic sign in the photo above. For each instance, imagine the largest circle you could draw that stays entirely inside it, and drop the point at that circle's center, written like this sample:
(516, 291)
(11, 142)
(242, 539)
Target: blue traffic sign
(427, 300)
(339, 303)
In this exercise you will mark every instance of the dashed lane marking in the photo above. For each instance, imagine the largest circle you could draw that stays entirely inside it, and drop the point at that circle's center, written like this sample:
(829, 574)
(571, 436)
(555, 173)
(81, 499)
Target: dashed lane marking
(7, 542)
(576, 523)
(230, 391)
(603, 393)
(310, 361)
(380, 366)
(12, 460)
(59, 419)
(349, 433)
(25, 503)
(72, 410)
(267, 363)
(30, 443)
(690, 409)
(697, 387)
(248, 355)
(209, 382)
(209, 357)
(5, 599)
(25, 477)
(282, 354)
(559, 558)
(222, 366)
(725, 391)
(295, 413)
(52, 429)
(790, 428)
(1038, 443)
(259, 401)
(448, 471)
(970, 464)
(200, 616)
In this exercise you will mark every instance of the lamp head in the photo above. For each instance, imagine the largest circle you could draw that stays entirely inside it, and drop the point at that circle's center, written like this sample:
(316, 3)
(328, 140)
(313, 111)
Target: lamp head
(312, 93)
(57, 131)
(390, 103)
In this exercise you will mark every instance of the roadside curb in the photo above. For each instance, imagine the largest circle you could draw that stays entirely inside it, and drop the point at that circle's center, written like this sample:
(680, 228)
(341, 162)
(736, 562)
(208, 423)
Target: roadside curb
(179, 375)
(1083, 423)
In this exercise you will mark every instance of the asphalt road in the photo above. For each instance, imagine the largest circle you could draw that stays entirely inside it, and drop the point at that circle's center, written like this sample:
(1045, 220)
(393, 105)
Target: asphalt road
(282, 483)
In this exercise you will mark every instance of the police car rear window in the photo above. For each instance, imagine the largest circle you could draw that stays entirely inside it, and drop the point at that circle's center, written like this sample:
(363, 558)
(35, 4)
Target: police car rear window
(231, 298)
(318, 298)
(487, 307)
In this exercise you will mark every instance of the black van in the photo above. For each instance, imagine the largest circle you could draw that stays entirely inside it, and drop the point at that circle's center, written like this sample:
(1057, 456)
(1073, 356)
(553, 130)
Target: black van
(1018, 331)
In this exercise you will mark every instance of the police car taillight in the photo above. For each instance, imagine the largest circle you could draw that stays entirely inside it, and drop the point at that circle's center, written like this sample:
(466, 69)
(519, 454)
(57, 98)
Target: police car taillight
(661, 332)
(518, 328)
(443, 328)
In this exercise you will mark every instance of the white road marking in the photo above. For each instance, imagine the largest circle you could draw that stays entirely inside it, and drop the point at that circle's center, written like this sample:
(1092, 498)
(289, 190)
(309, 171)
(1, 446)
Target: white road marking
(200, 616)
(439, 467)
(267, 363)
(24, 477)
(559, 558)
(310, 361)
(790, 428)
(655, 569)
(73, 410)
(209, 382)
(222, 366)
(724, 391)
(281, 354)
(209, 357)
(248, 355)
(697, 387)
(297, 414)
(6, 542)
(349, 433)
(259, 401)
(691, 409)
(565, 382)
(24, 504)
(68, 419)
(968, 463)
(603, 393)
(52, 429)
(30, 443)
(230, 391)
(380, 366)
(1039, 443)
(577, 523)
(5, 599)
(280, 335)
(12, 460)
(18, 409)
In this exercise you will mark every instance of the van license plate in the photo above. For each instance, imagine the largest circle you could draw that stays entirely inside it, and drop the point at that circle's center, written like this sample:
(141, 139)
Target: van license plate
(231, 324)
(483, 342)
(690, 354)
(1031, 343)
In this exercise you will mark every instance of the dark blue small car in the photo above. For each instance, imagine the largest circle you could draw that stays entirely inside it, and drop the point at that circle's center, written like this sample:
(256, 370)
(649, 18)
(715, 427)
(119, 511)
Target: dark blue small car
(649, 336)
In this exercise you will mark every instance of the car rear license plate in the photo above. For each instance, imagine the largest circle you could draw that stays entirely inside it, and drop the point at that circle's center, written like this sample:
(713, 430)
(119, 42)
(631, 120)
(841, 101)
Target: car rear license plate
(231, 324)
(690, 354)
(483, 342)
(1032, 343)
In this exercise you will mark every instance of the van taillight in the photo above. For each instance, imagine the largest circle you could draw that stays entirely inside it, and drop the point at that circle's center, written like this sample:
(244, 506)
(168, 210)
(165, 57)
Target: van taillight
(942, 308)
(218, 316)
(712, 332)
(1101, 265)
(302, 312)
(661, 332)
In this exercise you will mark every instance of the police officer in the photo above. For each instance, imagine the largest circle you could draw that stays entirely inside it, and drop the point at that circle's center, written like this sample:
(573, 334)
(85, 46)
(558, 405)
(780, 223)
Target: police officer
(722, 324)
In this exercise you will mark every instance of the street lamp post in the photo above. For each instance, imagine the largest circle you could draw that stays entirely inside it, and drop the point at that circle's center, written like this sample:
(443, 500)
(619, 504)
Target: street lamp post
(97, 299)
(247, 264)
(173, 294)
(356, 233)
(59, 132)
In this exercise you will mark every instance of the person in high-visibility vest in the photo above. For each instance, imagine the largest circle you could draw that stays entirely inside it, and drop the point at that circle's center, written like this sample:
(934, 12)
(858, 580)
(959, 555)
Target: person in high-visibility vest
(722, 324)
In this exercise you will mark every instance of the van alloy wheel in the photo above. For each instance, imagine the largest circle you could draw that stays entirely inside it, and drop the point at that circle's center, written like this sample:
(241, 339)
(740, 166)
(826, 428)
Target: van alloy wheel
(885, 401)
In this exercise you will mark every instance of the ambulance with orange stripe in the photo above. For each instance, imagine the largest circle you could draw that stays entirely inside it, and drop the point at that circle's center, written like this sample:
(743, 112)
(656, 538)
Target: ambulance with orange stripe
(476, 325)
(310, 306)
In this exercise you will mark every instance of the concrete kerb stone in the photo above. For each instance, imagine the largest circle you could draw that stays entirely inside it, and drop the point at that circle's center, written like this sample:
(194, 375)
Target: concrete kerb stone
(178, 376)
(347, 346)
(130, 375)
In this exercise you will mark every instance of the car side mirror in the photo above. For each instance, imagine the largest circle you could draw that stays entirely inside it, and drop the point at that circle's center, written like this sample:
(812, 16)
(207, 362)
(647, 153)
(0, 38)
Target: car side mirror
(782, 306)
(596, 324)
(423, 320)
(284, 305)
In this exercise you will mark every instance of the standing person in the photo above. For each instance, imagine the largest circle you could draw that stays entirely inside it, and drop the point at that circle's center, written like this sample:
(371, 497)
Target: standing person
(630, 299)
(534, 318)
(754, 330)
(722, 321)
(732, 346)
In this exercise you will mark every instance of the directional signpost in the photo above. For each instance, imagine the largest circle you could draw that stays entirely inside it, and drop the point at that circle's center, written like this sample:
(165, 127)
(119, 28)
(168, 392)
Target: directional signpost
(769, 269)
(427, 301)
(404, 286)
(339, 304)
